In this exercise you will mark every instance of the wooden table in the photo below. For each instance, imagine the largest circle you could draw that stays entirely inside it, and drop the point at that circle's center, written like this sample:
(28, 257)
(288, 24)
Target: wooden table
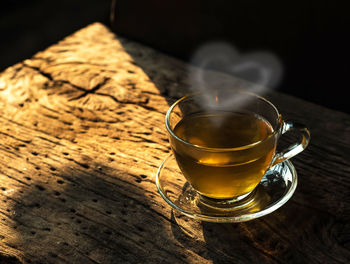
(81, 137)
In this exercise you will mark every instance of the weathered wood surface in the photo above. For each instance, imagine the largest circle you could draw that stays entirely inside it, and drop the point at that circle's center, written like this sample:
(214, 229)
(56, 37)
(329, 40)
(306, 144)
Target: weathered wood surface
(81, 138)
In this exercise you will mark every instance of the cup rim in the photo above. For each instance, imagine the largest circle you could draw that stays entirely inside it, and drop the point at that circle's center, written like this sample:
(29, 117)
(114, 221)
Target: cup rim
(167, 125)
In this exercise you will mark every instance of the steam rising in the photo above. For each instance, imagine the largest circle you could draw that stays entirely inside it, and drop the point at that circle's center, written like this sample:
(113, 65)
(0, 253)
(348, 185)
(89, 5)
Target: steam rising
(255, 72)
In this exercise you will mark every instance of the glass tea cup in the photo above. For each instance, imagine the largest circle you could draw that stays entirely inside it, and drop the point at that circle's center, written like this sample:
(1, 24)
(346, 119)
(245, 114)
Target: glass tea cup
(225, 141)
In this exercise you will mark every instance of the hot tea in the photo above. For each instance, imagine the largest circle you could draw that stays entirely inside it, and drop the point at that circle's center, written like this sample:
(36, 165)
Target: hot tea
(217, 173)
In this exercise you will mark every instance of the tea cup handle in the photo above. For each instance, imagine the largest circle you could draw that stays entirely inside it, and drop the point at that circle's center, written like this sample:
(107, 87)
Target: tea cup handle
(296, 148)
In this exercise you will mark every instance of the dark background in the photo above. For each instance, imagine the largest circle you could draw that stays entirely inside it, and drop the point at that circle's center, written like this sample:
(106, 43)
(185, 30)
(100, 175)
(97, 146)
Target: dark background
(309, 37)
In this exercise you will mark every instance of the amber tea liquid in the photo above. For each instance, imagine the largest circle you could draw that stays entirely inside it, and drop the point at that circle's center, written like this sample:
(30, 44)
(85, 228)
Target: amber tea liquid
(224, 174)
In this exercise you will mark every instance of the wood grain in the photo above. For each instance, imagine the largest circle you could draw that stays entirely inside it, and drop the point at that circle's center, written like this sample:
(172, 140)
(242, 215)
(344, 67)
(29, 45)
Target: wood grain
(82, 135)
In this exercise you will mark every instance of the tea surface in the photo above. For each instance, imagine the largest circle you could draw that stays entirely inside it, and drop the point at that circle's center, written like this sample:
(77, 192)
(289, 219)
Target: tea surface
(223, 129)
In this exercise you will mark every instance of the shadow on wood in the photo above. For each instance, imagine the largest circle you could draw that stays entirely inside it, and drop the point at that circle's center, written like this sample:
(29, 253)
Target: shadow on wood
(288, 235)
(91, 214)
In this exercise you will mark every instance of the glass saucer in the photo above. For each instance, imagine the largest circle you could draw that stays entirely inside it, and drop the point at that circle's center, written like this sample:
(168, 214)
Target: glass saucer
(275, 189)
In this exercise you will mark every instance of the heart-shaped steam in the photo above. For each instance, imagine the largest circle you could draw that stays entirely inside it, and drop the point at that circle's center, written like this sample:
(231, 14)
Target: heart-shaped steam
(259, 70)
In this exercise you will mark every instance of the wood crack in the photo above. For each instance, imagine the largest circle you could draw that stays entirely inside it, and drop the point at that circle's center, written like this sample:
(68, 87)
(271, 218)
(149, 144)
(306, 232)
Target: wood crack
(94, 90)
(15, 179)
(91, 91)
(27, 141)
(143, 105)
(51, 78)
